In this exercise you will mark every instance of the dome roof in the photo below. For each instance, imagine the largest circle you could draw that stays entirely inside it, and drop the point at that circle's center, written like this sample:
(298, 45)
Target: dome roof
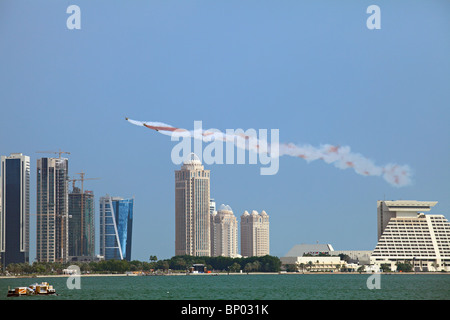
(192, 159)
(192, 162)
(224, 207)
(263, 213)
(245, 213)
(254, 213)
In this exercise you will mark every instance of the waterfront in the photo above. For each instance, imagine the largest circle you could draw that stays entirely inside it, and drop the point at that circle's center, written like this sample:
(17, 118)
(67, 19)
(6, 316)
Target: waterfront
(243, 287)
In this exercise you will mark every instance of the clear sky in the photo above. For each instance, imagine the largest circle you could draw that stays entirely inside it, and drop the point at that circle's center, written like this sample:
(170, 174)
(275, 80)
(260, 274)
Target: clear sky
(311, 69)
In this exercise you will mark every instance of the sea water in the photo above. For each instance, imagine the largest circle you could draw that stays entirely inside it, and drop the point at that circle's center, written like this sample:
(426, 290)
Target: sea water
(243, 287)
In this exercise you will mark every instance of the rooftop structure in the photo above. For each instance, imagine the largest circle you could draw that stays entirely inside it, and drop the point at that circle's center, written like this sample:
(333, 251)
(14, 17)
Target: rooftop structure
(314, 249)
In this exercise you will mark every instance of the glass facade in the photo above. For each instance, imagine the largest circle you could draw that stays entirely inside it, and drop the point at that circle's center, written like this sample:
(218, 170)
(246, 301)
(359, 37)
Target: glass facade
(81, 223)
(14, 217)
(116, 226)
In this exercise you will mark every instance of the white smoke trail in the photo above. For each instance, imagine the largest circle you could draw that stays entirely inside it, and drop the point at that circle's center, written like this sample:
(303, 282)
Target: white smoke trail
(340, 156)
(343, 158)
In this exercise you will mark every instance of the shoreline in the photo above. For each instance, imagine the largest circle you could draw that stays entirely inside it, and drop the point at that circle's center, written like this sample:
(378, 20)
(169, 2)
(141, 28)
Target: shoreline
(218, 274)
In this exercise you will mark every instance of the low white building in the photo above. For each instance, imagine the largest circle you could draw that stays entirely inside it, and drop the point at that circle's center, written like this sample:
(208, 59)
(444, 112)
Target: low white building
(315, 263)
(313, 257)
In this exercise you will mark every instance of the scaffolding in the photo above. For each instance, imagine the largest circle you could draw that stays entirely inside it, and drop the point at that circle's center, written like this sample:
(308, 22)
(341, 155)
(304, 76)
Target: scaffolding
(84, 244)
(52, 209)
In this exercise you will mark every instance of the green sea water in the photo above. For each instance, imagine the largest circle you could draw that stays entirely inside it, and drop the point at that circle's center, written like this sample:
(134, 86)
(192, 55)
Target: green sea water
(243, 287)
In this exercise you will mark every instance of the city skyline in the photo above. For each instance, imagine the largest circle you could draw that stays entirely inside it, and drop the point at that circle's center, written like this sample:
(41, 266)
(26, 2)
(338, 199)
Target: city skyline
(312, 70)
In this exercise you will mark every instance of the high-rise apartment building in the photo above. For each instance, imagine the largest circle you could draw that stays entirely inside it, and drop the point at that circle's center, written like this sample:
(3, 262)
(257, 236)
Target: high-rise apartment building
(81, 223)
(192, 207)
(254, 234)
(224, 233)
(407, 235)
(15, 209)
(116, 226)
(52, 212)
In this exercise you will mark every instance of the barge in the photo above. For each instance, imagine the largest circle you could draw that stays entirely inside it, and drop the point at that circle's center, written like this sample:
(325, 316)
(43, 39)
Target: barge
(43, 288)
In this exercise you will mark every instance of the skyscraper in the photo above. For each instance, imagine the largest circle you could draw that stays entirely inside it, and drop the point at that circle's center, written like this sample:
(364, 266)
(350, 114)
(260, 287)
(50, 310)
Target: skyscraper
(407, 235)
(81, 223)
(254, 234)
(116, 226)
(224, 233)
(192, 206)
(52, 221)
(15, 209)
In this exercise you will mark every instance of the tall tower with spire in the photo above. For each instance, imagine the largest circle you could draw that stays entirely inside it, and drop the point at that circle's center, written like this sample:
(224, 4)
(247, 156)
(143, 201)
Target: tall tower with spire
(192, 206)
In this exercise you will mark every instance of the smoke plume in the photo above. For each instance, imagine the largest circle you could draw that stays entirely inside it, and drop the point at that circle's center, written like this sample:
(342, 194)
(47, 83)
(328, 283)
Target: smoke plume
(340, 156)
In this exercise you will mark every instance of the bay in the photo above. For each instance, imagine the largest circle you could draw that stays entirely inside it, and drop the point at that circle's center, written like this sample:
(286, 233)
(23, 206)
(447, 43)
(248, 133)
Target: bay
(242, 287)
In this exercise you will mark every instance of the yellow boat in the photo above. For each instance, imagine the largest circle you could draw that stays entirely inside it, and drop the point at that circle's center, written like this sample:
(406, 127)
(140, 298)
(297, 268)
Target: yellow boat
(43, 288)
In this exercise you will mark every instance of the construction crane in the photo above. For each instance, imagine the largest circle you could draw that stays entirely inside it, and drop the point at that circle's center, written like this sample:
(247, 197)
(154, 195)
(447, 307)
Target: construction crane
(56, 152)
(82, 179)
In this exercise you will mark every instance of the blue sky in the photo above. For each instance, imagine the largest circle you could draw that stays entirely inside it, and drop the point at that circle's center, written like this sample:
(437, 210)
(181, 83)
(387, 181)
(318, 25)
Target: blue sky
(311, 69)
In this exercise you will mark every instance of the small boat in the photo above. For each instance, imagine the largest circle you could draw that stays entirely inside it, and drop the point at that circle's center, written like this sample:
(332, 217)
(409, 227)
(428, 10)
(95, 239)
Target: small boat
(35, 289)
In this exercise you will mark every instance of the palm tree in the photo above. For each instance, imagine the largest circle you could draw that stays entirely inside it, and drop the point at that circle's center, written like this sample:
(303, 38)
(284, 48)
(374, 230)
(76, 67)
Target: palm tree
(310, 264)
(338, 267)
(235, 267)
(256, 265)
(302, 266)
(435, 265)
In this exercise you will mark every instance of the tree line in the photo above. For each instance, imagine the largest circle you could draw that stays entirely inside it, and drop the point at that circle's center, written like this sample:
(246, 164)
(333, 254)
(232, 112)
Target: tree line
(265, 263)
(176, 263)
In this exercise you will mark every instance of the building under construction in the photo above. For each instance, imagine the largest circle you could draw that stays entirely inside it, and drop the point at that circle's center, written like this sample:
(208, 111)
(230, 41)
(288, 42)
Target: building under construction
(52, 219)
(81, 223)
